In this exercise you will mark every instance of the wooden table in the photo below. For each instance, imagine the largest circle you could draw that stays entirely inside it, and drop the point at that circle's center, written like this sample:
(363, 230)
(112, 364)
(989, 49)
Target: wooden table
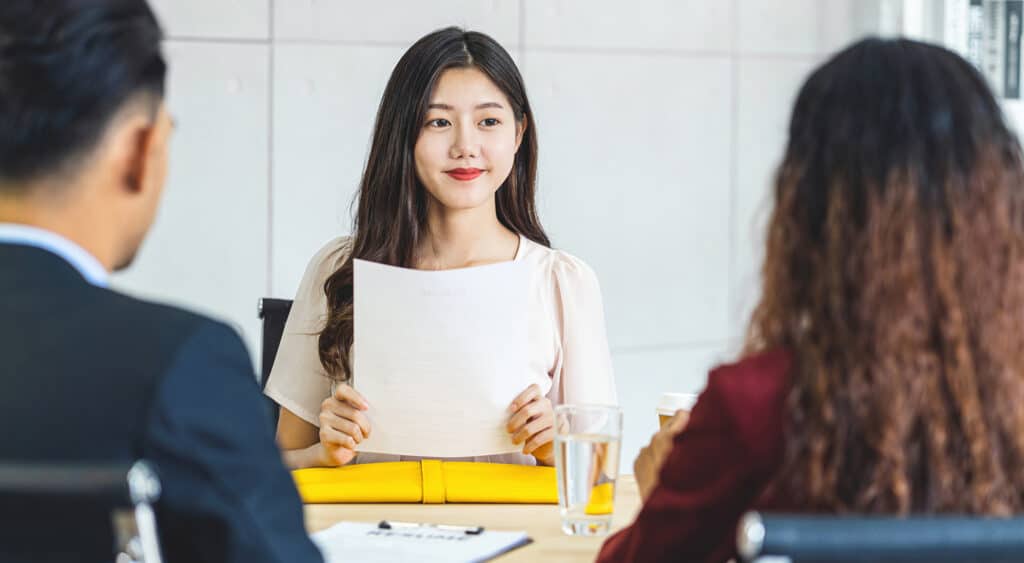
(541, 521)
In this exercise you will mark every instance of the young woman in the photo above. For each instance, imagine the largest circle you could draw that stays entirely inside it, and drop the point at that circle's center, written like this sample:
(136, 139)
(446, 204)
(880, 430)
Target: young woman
(885, 362)
(449, 183)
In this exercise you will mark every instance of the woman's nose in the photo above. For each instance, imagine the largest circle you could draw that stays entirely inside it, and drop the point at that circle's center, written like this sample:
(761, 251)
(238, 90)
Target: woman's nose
(466, 143)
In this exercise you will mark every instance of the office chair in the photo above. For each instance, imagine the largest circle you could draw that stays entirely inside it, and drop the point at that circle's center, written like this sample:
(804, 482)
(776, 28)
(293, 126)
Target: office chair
(59, 511)
(806, 538)
(274, 314)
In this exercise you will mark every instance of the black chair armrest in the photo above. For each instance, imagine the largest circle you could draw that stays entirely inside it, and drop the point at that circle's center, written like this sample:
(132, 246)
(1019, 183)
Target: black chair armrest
(870, 538)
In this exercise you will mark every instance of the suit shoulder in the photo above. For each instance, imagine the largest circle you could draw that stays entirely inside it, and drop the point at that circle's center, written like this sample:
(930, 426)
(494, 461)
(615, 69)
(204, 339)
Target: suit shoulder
(139, 317)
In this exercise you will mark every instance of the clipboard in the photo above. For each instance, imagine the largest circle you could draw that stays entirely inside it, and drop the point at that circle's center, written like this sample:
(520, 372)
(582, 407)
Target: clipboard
(424, 543)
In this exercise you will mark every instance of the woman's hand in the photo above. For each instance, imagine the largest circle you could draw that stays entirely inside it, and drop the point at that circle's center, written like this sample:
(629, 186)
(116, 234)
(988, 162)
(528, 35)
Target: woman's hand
(532, 424)
(343, 425)
(648, 464)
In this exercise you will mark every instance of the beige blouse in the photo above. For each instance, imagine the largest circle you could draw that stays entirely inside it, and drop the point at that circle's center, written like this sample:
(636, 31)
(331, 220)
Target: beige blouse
(569, 356)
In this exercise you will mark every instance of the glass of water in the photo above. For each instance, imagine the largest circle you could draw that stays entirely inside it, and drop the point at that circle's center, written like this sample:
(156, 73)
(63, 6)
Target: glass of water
(587, 439)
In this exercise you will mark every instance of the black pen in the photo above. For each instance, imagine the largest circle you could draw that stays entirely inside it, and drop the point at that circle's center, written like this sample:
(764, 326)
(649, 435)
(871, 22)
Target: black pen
(470, 530)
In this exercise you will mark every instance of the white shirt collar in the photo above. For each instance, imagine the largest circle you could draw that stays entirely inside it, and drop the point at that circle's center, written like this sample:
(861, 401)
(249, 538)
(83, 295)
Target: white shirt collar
(85, 263)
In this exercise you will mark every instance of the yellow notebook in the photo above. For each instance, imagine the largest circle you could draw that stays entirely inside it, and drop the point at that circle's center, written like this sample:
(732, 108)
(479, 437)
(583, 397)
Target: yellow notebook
(428, 482)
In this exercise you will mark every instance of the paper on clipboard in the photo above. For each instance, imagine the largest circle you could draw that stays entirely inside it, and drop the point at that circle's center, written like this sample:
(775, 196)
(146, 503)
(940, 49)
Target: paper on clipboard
(439, 355)
(365, 542)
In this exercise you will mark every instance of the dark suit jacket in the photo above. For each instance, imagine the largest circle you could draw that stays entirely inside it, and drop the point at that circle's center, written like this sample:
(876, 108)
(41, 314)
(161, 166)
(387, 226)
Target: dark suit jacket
(718, 469)
(88, 374)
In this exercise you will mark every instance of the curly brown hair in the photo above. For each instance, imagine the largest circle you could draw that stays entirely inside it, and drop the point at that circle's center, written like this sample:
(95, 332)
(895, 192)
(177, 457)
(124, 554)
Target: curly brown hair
(894, 274)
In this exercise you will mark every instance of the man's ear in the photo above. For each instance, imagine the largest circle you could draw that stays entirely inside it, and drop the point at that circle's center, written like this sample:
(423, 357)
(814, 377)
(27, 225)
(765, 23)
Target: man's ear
(137, 147)
(131, 140)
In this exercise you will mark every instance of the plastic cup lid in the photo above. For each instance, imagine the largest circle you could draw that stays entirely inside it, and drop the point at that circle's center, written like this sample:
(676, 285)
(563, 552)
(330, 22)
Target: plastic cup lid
(671, 402)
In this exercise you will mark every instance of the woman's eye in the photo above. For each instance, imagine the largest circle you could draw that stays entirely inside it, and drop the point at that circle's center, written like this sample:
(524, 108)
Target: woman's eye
(490, 122)
(438, 123)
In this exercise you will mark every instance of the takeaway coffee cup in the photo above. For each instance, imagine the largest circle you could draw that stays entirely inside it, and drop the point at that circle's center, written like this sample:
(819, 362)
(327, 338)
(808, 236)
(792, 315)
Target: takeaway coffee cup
(672, 402)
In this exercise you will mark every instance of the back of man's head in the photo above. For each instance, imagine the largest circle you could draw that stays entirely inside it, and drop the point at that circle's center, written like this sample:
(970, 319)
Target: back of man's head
(66, 69)
(82, 120)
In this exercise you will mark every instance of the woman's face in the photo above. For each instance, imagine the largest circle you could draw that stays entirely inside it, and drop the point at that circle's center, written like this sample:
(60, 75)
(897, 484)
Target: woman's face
(468, 140)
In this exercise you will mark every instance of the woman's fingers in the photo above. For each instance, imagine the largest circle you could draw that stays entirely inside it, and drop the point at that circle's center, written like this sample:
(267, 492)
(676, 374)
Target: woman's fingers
(678, 421)
(533, 428)
(342, 425)
(539, 439)
(333, 456)
(529, 395)
(333, 438)
(527, 412)
(346, 411)
(347, 394)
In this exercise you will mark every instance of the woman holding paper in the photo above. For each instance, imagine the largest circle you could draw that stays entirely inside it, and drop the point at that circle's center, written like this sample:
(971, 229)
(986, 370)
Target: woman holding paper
(449, 183)
(883, 372)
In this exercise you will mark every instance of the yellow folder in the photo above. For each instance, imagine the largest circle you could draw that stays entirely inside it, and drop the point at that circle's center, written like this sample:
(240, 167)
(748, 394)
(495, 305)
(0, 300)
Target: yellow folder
(428, 482)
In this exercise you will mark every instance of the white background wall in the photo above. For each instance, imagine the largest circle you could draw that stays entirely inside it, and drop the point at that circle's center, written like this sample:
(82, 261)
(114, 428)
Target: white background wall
(660, 123)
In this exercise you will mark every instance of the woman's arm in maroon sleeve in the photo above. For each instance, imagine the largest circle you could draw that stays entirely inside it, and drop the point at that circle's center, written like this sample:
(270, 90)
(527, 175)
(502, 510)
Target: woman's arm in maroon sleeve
(709, 480)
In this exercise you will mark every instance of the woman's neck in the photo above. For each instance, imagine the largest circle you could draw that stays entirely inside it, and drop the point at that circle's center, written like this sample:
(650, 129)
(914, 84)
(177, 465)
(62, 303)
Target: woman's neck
(463, 238)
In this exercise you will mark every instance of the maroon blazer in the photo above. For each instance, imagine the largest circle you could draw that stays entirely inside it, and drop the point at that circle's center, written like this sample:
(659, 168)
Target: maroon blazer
(718, 469)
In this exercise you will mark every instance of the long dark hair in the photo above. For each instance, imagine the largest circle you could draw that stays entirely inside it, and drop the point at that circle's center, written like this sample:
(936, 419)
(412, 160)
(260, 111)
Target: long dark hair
(392, 208)
(894, 274)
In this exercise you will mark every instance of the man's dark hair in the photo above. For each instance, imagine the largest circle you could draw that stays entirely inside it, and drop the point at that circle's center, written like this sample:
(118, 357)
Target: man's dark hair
(67, 67)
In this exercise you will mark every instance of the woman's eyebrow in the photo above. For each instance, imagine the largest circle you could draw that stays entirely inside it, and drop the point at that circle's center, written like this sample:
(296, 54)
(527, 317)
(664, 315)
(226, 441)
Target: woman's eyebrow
(484, 105)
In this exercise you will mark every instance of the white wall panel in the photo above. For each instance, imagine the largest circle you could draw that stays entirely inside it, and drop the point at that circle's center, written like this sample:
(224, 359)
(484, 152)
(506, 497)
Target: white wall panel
(223, 19)
(325, 101)
(634, 178)
(779, 26)
(208, 249)
(767, 91)
(393, 21)
(843, 21)
(689, 25)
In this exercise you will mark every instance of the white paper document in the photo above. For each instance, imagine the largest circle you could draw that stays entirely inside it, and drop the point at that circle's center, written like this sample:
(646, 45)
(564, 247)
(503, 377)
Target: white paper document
(440, 355)
(367, 543)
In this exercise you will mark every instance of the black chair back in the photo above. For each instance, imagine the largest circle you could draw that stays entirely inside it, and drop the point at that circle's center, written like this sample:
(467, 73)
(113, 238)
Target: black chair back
(78, 512)
(274, 314)
(803, 538)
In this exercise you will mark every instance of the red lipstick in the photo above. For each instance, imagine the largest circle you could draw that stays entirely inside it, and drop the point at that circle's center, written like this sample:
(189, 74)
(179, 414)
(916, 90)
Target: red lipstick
(464, 174)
